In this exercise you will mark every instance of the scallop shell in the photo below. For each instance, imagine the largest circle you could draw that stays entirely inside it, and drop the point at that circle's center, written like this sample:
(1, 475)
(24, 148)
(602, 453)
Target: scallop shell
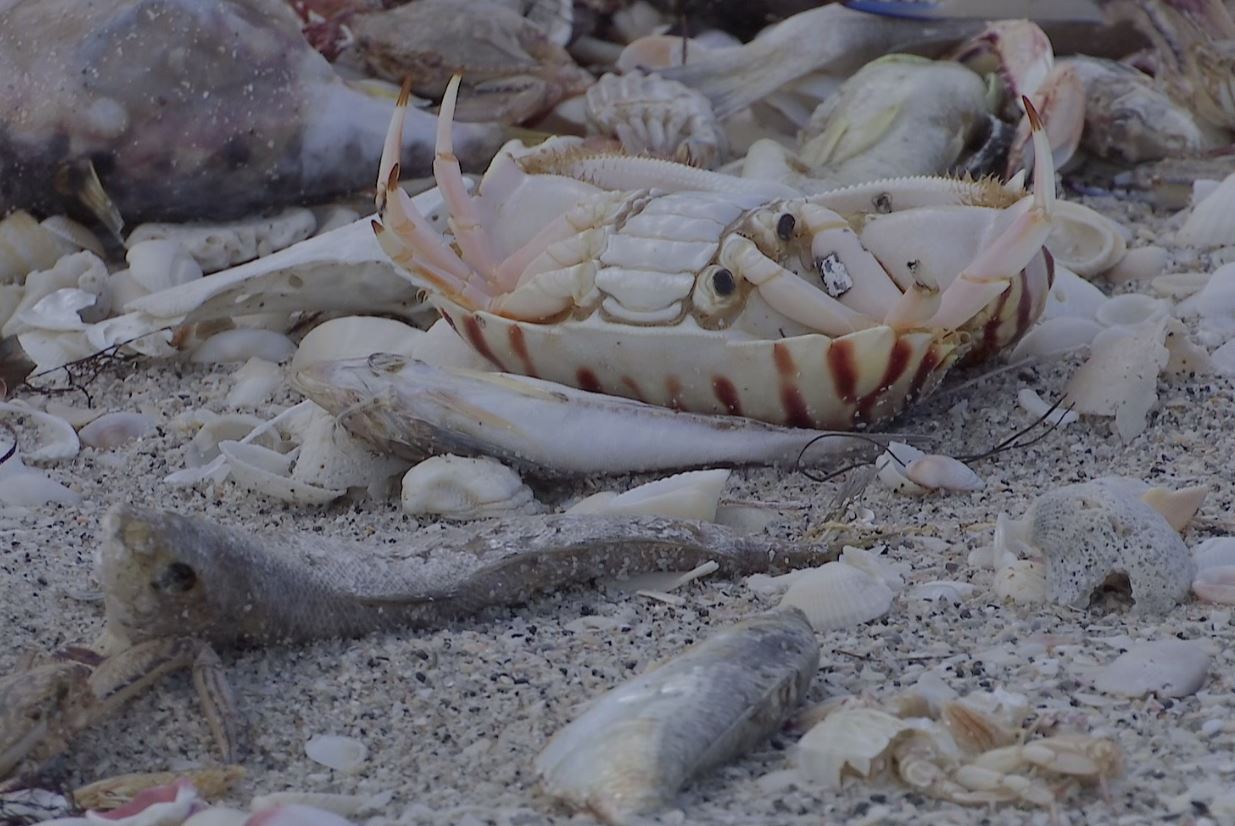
(839, 595)
(218, 246)
(344, 754)
(1084, 241)
(465, 488)
(1211, 223)
(1167, 668)
(354, 336)
(691, 495)
(849, 741)
(242, 345)
(114, 429)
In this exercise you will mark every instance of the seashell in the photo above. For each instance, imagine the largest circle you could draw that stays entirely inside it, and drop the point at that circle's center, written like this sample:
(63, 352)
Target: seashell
(57, 311)
(1177, 506)
(330, 457)
(242, 345)
(296, 816)
(1167, 668)
(25, 487)
(942, 591)
(354, 337)
(839, 595)
(1130, 309)
(1071, 296)
(1084, 241)
(893, 575)
(847, 741)
(265, 472)
(1215, 584)
(59, 437)
(1089, 531)
(1036, 406)
(1217, 551)
(1055, 337)
(891, 465)
(218, 816)
(66, 274)
(691, 495)
(344, 754)
(219, 246)
(936, 472)
(973, 728)
(160, 805)
(1211, 223)
(1022, 581)
(26, 247)
(1223, 359)
(233, 427)
(1214, 303)
(1186, 357)
(465, 488)
(1120, 378)
(113, 792)
(926, 697)
(254, 383)
(1179, 285)
(1139, 264)
(154, 266)
(114, 429)
(73, 236)
(345, 805)
(662, 582)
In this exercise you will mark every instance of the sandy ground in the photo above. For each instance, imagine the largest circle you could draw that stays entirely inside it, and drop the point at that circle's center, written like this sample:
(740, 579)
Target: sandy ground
(453, 718)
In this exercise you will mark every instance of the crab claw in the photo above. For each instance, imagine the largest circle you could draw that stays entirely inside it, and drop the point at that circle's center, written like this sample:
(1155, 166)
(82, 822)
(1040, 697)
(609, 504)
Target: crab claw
(992, 270)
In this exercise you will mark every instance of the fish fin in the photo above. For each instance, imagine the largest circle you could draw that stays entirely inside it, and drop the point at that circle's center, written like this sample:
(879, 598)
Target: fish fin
(80, 180)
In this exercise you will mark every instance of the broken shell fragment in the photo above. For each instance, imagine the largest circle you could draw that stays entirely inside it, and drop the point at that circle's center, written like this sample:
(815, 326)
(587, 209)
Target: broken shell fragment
(690, 495)
(267, 473)
(1167, 668)
(218, 246)
(1211, 223)
(254, 383)
(1084, 241)
(849, 741)
(114, 429)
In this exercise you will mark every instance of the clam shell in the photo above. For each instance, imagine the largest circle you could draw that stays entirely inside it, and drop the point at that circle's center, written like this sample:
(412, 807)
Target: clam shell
(344, 754)
(1168, 668)
(61, 314)
(839, 595)
(1084, 241)
(1211, 223)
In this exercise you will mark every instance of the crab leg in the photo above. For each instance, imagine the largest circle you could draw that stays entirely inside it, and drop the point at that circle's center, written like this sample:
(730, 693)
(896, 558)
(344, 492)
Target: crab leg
(788, 294)
(465, 217)
(991, 272)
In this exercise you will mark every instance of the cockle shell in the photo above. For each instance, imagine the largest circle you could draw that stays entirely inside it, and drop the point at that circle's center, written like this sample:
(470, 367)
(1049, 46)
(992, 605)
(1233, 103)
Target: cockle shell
(1168, 668)
(1085, 241)
(219, 246)
(465, 488)
(839, 595)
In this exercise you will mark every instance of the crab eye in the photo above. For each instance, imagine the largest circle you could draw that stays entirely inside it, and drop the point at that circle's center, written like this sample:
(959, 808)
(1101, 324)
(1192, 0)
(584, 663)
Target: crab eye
(176, 578)
(784, 226)
(723, 283)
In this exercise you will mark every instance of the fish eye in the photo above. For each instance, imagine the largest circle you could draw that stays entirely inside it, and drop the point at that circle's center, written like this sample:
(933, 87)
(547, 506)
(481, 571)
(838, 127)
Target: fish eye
(784, 226)
(176, 578)
(723, 283)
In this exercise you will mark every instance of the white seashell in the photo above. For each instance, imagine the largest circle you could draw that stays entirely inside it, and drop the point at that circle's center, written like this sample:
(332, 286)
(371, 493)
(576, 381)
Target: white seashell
(1187, 358)
(1071, 296)
(1211, 223)
(891, 465)
(254, 383)
(1131, 308)
(1167, 668)
(72, 235)
(839, 595)
(354, 337)
(217, 468)
(1215, 584)
(1120, 378)
(153, 266)
(164, 805)
(1022, 581)
(662, 582)
(692, 495)
(936, 472)
(1179, 285)
(892, 574)
(1036, 406)
(330, 457)
(1056, 336)
(58, 311)
(942, 591)
(114, 429)
(234, 427)
(344, 754)
(345, 805)
(1214, 303)
(242, 345)
(218, 246)
(296, 816)
(265, 472)
(1178, 506)
(1084, 241)
(1223, 359)
(23, 487)
(773, 586)
(1140, 264)
(26, 247)
(67, 273)
(218, 816)
(60, 439)
(847, 741)
(1215, 552)
(10, 299)
(1202, 188)
(465, 488)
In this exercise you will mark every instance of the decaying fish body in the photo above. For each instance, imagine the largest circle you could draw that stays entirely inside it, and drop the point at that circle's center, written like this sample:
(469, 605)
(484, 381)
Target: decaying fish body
(162, 572)
(513, 70)
(413, 409)
(634, 748)
(184, 110)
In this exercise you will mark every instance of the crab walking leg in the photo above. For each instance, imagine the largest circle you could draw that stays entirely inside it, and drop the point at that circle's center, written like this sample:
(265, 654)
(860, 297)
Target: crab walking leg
(465, 217)
(991, 272)
(393, 144)
(914, 307)
(868, 288)
(788, 294)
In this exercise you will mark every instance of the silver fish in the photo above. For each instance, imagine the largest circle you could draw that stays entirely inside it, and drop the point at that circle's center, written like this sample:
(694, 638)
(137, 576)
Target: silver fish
(412, 409)
(163, 573)
(636, 746)
(168, 110)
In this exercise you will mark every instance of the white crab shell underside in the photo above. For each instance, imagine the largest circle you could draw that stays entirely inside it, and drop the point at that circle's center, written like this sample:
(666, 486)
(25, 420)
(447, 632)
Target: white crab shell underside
(800, 379)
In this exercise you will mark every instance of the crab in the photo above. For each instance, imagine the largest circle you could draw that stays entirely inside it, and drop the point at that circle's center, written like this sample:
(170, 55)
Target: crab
(44, 706)
(703, 292)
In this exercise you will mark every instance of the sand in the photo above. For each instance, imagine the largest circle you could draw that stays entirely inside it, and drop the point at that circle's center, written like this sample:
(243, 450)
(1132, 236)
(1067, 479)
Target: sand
(453, 718)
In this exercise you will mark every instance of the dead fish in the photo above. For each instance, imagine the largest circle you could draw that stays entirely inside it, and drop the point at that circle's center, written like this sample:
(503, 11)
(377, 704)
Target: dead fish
(512, 70)
(163, 573)
(637, 745)
(169, 110)
(412, 409)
